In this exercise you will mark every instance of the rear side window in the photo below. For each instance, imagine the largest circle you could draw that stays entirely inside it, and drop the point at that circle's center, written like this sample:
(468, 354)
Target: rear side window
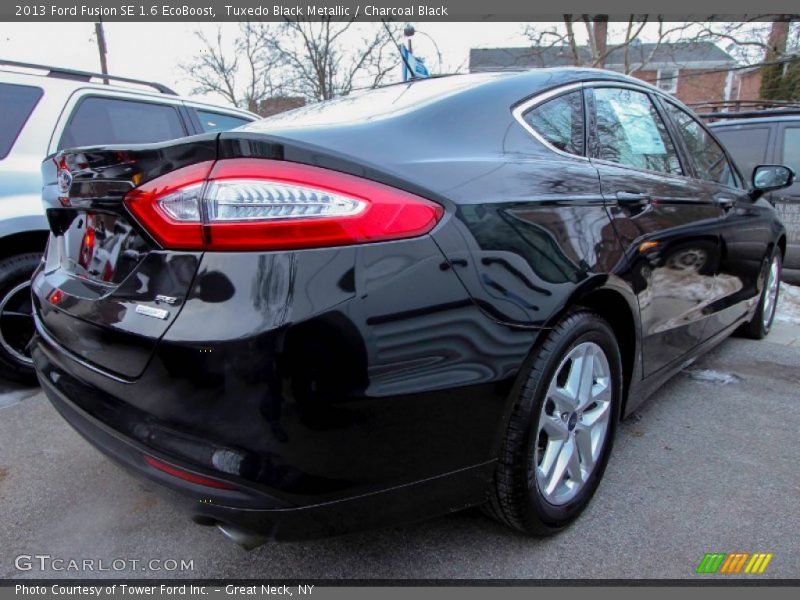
(212, 121)
(113, 121)
(708, 156)
(747, 146)
(560, 122)
(630, 132)
(16, 105)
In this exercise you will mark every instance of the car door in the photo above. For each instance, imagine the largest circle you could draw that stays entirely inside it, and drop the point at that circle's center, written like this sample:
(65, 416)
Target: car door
(787, 201)
(663, 218)
(744, 225)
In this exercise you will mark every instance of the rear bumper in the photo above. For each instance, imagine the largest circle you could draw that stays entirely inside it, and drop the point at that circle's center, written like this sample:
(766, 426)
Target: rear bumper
(334, 389)
(244, 506)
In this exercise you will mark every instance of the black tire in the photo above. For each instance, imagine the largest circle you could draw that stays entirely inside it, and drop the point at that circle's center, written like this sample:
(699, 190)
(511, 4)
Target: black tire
(15, 331)
(758, 328)
(515, 498)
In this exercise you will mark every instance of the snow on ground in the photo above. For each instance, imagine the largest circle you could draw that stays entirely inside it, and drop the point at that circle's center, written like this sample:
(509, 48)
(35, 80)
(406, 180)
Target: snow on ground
(789, 304)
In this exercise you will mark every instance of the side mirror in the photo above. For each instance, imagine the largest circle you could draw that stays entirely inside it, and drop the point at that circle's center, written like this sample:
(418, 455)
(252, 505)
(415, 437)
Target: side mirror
(771, 177)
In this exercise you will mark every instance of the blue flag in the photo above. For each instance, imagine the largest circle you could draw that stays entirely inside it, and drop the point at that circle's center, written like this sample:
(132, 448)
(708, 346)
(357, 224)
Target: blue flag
(415, 63)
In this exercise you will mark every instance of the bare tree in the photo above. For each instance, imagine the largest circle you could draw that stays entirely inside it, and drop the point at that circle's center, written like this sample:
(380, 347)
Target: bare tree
(328, 58)
(315, 60)
(243, 74)
(600, 38)
(601, 42)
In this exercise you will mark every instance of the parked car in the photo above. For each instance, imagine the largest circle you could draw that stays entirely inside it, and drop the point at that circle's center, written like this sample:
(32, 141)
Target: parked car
(399, 303)
(758, 137)
(44, 110)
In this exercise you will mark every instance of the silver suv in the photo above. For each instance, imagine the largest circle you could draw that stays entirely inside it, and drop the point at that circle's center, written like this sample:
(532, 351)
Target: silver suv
(44, 110)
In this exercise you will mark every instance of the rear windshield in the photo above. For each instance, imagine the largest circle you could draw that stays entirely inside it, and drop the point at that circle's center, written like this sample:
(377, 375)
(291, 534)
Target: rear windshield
(369, 105)
(747, 146)
(16, 105)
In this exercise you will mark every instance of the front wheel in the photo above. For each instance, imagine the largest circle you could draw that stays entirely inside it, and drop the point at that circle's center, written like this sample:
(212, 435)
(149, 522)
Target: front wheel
(761, 323)
(561, 429)
(16, 317)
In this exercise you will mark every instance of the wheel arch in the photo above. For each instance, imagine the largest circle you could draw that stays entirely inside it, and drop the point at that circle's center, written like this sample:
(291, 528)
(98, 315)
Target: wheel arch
(613, 300)
(23, 242)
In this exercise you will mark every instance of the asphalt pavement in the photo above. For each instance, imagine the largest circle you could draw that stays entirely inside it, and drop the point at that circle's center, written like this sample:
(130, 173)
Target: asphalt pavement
(710, 464)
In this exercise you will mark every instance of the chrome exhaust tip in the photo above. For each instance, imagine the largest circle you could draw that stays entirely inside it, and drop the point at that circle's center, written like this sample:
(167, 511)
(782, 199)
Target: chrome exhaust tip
(245, 539)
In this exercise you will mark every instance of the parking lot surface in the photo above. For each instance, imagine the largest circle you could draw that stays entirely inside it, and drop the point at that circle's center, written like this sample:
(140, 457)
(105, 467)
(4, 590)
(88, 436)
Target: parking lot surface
(709, 464)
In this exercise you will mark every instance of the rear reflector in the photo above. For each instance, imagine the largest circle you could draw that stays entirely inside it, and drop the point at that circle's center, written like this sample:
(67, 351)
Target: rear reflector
(186, 475)
(251, 204)
(56, 297)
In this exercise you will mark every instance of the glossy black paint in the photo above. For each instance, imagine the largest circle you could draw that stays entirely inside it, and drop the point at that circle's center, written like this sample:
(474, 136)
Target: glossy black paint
(346, 387)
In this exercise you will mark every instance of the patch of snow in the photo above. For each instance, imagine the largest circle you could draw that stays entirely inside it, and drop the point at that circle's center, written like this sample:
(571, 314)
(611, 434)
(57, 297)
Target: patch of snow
(788, 310)
(711, 376)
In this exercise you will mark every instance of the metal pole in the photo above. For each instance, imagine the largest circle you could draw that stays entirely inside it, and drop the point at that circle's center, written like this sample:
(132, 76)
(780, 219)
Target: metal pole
(101, 47)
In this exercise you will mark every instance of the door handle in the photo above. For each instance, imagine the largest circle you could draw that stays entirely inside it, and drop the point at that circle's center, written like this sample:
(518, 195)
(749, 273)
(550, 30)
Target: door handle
(633, 198)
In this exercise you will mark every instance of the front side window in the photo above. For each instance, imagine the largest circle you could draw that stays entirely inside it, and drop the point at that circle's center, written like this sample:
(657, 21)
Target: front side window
(16, 105)
(114, 121)
(630, 132)
(560, 122)
(708, 156)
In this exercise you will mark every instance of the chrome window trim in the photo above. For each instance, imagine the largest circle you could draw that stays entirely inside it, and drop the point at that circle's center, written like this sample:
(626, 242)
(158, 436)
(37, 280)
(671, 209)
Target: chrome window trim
(520, 110)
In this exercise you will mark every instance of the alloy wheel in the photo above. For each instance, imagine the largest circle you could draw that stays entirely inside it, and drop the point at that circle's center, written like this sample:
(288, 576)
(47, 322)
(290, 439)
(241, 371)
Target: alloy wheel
(16, 322)
(771, 292)
(573, 424)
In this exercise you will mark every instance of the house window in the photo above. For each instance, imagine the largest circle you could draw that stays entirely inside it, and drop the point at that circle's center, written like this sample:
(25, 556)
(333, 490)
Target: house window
(667, 80)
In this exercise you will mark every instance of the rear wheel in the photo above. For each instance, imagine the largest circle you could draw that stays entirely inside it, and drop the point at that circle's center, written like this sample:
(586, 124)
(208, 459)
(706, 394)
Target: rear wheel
(561, 428)
(761, 323)
(16, 320)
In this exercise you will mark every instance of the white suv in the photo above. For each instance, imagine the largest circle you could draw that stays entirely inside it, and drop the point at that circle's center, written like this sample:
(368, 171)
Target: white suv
(44, 110)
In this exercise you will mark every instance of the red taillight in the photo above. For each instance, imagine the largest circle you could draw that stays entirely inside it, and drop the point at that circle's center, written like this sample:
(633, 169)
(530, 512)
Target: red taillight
(252, 204)
(170, 233)
(186, 475)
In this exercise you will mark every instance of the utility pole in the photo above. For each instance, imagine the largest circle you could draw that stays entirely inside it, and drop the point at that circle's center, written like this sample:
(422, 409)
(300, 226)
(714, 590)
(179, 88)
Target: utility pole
(101, 47)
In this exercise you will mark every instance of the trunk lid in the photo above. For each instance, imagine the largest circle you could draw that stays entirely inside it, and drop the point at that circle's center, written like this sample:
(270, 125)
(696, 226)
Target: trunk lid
(106, 291)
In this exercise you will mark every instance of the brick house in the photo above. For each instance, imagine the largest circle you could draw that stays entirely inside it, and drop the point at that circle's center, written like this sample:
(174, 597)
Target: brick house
(692, 71)
(278, 104)
(747, 85)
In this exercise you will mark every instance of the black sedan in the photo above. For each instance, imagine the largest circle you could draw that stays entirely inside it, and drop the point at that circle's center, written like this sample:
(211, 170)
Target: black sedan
(400, 303)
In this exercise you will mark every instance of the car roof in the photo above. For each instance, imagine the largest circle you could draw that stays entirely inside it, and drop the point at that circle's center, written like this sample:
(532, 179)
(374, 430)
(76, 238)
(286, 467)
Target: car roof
(10, 72)
(486, 90)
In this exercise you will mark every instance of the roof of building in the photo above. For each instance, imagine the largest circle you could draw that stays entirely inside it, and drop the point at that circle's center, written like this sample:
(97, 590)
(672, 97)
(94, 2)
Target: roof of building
(699, 55)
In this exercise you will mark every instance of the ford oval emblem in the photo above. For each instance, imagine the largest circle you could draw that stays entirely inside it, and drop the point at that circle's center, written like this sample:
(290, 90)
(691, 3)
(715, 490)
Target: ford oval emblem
(64, 180)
